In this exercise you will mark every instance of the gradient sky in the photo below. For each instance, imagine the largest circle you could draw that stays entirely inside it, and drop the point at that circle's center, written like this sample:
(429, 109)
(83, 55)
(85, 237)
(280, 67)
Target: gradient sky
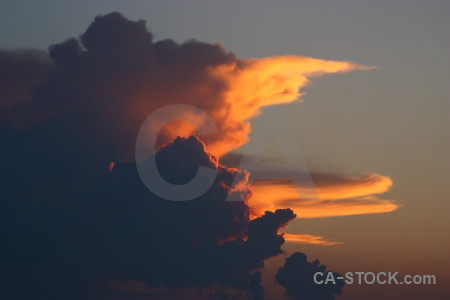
(393, 120)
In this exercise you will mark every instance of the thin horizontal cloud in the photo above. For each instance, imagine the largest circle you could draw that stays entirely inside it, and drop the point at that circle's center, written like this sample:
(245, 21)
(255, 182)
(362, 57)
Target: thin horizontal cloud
(309, 239)
(338, 196)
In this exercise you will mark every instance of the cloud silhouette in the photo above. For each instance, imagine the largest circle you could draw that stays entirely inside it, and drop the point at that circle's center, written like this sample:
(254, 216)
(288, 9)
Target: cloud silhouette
(297, 277)
(73, 244)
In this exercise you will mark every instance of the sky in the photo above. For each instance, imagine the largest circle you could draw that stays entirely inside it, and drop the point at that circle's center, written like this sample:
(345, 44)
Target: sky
(392, 120)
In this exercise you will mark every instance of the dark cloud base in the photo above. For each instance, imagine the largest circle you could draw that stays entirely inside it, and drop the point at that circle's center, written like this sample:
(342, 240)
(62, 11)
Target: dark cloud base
(117, 229)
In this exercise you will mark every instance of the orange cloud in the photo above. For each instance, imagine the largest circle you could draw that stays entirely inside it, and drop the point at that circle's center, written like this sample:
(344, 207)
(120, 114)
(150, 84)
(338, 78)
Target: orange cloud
(256, 83)
(338, 196)
(234, 92)
(308, 239)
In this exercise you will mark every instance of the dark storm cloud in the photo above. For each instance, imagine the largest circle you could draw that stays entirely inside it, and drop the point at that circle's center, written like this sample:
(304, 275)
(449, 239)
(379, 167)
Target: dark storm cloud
(119, 230)
(104, 84)
(114, 75)
(21, 72)
(99, 88)
(297, 277)
(69, 226)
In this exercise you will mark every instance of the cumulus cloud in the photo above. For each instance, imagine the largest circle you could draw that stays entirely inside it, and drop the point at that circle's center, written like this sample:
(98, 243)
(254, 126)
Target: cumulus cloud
(74, 221)
(115, 75)
(74, 244)
(297, 276)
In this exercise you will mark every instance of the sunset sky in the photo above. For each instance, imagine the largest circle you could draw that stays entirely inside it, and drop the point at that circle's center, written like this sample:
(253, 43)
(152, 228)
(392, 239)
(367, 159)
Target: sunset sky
(368, 108)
